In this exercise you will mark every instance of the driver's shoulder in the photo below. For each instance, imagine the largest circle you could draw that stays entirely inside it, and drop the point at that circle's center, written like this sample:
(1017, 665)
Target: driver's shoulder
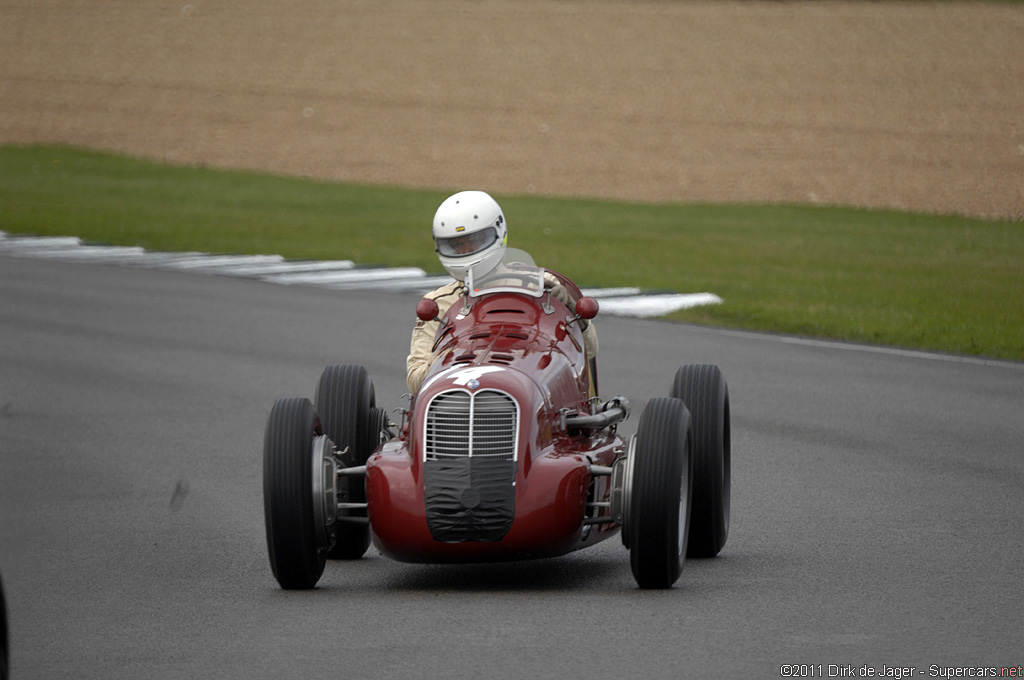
(449, 290)
(445, 296)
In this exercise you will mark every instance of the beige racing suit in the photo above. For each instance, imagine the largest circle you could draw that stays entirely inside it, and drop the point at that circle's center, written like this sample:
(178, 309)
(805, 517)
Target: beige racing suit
(421, 355)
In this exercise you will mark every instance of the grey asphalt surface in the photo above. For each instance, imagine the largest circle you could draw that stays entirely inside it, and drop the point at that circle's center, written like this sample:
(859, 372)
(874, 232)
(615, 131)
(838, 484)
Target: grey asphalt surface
(875, 513)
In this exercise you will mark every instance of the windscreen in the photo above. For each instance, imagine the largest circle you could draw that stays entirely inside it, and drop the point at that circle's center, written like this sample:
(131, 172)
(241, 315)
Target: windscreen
(517, 273)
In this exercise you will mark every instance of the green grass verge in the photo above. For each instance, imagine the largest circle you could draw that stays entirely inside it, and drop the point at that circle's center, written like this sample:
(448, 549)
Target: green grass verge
(933, 282)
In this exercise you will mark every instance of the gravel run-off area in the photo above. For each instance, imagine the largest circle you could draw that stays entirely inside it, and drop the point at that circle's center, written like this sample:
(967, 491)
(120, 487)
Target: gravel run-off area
(913, 106)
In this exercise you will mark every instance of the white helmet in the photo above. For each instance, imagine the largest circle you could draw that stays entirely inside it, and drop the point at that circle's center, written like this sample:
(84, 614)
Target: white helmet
(469, 231)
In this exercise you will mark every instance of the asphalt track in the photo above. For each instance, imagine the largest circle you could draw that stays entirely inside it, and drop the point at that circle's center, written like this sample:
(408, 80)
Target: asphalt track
(875, 514)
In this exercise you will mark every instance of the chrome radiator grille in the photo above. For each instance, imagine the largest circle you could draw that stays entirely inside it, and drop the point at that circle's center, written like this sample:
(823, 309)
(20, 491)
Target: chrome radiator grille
(484, 424)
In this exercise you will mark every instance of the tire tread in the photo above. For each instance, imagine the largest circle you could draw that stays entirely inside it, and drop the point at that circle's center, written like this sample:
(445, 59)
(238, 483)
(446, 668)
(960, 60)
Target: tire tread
(344, 400)
(295, 558)
(663, 455)
(703, 389)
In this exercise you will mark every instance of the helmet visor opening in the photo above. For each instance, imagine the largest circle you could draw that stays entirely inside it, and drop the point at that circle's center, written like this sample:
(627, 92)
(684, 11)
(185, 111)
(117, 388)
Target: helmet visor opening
(464, 245)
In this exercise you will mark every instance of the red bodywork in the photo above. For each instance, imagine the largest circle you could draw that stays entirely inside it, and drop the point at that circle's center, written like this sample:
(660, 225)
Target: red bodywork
(507, 344)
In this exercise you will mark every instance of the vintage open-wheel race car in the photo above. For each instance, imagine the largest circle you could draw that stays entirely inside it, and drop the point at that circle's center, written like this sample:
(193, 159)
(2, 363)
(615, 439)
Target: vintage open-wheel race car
(503, 454)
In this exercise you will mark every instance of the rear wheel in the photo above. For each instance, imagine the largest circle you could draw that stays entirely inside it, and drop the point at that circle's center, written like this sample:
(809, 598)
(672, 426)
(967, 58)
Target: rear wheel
(292, 542)
(659, 501)
(346, 404)
(704, 391)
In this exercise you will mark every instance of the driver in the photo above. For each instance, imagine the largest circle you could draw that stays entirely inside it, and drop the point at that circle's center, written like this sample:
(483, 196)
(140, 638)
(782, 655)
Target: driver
(470, 232)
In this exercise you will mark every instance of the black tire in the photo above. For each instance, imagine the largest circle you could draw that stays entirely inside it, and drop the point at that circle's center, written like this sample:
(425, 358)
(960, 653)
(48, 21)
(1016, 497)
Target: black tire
(295, 556)
(659, 511)
(4, 638)
(346, 403)
(704, 391)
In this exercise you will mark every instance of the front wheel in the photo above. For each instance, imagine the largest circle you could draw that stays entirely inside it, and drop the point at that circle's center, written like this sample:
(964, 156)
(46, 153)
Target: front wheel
(658, 516)
(288, 504)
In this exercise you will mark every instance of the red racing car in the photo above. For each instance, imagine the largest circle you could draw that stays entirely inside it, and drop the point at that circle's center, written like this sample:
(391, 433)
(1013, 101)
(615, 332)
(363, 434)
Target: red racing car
(503, 454)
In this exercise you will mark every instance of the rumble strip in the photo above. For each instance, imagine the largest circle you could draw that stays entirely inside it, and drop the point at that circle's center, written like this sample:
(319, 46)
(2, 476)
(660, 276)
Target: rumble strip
(338, 274)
